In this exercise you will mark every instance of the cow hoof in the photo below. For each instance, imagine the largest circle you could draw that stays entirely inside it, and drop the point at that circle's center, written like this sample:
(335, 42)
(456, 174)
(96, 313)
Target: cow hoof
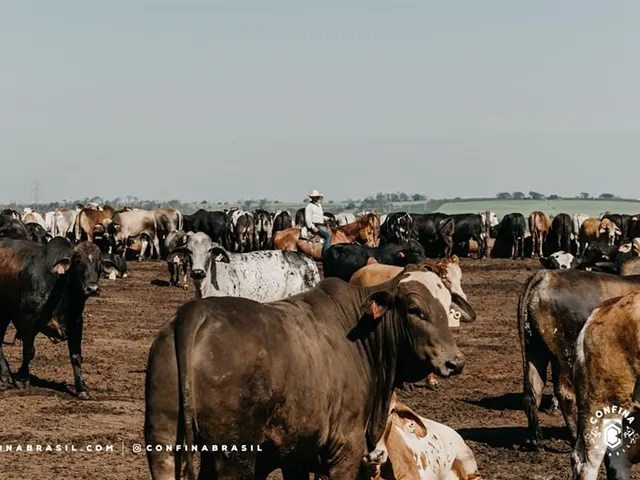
(373, 461)
(22, 384)
(83, 395)
(530, 446)
(5, 385)
(432, 384)
(185, 287)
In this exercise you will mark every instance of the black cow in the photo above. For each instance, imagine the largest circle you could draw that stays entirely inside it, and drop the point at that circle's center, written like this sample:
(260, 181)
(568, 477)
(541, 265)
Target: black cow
(559, 236)
(14, 228)
(214, 224)
(434, 232)
(114, 265)
(300, 218)
(43, 289)
(601, 257)
(36, 233)
(7, 215)
(469, 226)
(309, 378)
(262, 229)
(510, 237)
(397, 228)
(178, 259)
(343, 260)
(281, 221)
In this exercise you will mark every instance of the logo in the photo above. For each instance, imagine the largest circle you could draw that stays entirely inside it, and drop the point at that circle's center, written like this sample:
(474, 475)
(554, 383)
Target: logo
(611, 431)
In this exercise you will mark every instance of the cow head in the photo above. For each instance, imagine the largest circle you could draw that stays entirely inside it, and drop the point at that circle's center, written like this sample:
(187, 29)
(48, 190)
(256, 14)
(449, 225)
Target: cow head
(450, 273)
(558, 261)
(609, 231)
(203, 255)
(415, 299)
(87, 268)
(114, 266)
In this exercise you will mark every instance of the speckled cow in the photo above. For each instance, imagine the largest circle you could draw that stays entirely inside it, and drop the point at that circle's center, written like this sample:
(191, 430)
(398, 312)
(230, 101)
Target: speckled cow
(265, 276)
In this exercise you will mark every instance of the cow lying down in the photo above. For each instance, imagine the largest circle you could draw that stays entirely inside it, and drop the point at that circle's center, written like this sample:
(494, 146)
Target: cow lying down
(414, 447)
(265, 276)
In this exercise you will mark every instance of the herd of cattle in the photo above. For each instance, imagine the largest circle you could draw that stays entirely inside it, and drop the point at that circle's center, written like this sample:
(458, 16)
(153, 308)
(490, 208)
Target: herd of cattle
(245, 362)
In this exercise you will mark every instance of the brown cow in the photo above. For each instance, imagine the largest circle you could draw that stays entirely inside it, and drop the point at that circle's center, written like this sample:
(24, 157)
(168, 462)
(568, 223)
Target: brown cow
(552, 309)
(609, 231)
(89, 218)
(539, 225)
(414, 447)
(289, 239)
(630, 267)
(216, 375)
(606, 377)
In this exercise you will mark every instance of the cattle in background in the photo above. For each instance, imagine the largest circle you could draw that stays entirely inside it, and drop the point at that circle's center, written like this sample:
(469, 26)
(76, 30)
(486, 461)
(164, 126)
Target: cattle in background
(414, 447)
(49, 222)
(30, 216)
(397, 228)
(330, 220)
(43, 289)
(299, 220)
(90, 221)
(240, 231)
(261, 276)
(577, 219)
(510, 237)
(8, 214)
(559, 260)
(126, 225)
(610, 231)
(601, 257)
(333, 328)
(345, 218)
(262, 229)
(167, 220)
(36, 233)
(14, 228)
(559, 237)
(63, 223)
(552, 309)
(281, 221)
(434, 232)
(539, 224)
(213, 224)
(344, 260)
(606, 374)
(469, 226)
(177, 258)
(489, 220)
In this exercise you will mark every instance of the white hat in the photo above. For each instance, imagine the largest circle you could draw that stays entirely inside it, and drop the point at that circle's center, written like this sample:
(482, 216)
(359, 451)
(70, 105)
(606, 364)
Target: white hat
(315, 194)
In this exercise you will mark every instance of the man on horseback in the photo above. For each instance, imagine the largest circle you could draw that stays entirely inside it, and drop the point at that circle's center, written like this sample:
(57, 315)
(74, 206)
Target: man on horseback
(314, 218)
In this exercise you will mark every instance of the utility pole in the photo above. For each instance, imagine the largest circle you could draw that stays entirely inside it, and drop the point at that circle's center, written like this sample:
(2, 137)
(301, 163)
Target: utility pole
(36, 194)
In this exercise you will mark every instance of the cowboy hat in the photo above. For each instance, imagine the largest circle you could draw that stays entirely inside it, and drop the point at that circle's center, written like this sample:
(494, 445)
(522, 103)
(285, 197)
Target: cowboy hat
(315, 194)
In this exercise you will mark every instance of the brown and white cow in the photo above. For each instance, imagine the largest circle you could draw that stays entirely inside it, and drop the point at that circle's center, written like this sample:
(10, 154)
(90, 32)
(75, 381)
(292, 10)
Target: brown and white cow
(134, 223)
(167, 220)
(414, 447)
(606, 380)
(539, 225)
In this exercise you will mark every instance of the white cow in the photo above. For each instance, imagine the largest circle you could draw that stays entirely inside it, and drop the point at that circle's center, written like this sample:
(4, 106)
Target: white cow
(559, 260)
(29, 216)
(345, 218)
(264, 276)
(577, 219)
(414, 447)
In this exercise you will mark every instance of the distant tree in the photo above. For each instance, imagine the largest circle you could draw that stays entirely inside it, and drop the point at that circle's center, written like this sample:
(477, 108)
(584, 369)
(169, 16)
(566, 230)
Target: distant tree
(263, 203)
(518, 195)
(553, 197)
(247, 204)
(585, 196)
(351, 205)
(503, 196)
(403, 197)
(606, 196)
(203, 202)
(174, 204)
(536, 195)
(277, 202)
(418, 197)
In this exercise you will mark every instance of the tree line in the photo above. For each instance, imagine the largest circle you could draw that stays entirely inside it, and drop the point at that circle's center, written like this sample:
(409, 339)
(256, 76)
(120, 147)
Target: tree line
(542, 196)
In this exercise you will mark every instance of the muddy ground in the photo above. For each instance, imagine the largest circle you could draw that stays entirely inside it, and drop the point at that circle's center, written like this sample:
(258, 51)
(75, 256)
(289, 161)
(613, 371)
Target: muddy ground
(483, 404)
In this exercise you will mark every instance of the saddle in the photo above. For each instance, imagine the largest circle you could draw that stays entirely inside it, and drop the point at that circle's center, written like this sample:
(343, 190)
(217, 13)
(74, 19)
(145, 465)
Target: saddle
(306, 234)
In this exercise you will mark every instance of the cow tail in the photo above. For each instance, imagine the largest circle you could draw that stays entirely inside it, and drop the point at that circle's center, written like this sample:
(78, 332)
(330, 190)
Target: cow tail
(180, 220)
(184, 336)
(76, 226)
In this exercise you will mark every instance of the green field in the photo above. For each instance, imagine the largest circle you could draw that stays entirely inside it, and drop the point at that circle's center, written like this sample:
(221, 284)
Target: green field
(593, 208)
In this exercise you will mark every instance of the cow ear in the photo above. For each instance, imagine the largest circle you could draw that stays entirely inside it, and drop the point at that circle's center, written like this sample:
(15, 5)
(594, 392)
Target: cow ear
(401, 254)
(108, 266)
(62, 266)
(412, 421)
(377, 303)
(625, 248)
(219, 254)
(455, 259)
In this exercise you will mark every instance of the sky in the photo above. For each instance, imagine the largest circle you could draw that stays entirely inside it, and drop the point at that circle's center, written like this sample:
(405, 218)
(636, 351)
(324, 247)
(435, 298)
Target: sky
(227, 100)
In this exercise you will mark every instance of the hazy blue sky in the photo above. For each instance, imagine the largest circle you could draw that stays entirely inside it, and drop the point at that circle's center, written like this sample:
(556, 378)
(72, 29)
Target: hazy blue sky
(224, 100)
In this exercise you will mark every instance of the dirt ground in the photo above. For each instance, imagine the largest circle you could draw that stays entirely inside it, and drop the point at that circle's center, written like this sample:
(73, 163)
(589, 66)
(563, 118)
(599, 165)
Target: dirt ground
(483, 404)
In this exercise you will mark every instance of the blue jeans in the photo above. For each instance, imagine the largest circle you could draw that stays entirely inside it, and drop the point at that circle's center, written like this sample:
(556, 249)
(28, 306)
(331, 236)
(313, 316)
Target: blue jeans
(326, 235)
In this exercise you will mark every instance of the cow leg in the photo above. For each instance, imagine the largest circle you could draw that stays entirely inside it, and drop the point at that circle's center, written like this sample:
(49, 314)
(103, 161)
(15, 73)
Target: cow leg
(144, 244)
(350, 457)
(172, 268)
(207, 466)
(156, 247)
(564, 392)
(535, 378)
(295, 473)
(5, 372)
(432, 382)
(586, 461)
(236, 466)
(75, 355)
(28, 352)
